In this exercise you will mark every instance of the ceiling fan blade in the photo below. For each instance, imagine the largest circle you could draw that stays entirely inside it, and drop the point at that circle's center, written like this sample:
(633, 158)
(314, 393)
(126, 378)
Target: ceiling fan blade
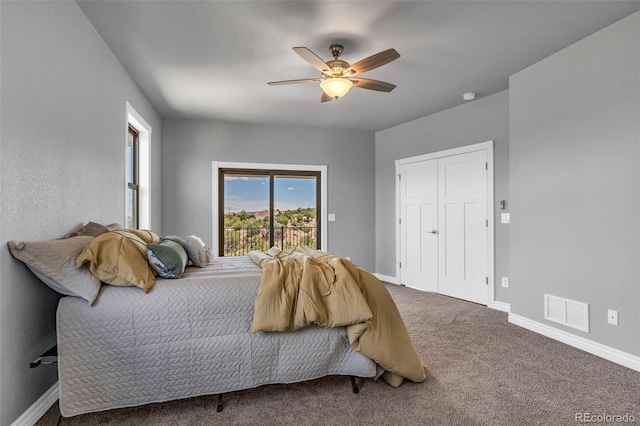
(325, 98)
(312, 58)
(372, 62)
(366, 83)
(306, 80)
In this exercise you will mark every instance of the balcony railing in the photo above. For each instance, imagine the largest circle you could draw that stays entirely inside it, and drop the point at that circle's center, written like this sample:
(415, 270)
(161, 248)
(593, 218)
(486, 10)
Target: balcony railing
(239, 242)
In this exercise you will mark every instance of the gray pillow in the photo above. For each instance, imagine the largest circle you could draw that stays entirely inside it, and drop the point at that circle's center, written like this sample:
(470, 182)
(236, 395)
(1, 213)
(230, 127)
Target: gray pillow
(199, 254)
(176, 239)
(168, 259)
(54, 262)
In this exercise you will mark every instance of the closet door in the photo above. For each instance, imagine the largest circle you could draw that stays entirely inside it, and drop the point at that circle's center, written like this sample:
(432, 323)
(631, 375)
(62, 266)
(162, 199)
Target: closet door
(463, 227)
(419, 224)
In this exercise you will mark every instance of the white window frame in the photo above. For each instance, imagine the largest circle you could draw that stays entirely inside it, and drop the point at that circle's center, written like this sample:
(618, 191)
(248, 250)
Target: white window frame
(217, 165)
(134, 119)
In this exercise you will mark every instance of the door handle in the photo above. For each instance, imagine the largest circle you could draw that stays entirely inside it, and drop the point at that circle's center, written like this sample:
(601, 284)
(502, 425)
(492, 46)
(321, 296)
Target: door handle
(435, 231)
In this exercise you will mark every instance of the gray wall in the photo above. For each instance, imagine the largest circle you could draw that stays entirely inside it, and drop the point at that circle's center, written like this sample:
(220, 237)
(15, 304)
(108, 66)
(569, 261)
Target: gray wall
(575, 132)
(478, 121)
(61, 163)
(189, 147)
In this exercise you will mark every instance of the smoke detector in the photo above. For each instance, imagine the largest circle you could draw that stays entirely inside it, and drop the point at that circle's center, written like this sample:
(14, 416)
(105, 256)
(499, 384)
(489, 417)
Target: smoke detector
(469, 96)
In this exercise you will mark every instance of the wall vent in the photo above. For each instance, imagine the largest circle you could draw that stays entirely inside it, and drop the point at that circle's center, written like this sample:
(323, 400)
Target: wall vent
(567, 312)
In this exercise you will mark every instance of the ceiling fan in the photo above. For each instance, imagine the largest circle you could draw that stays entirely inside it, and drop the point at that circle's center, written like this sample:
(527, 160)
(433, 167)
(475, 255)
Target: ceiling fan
(338, 76)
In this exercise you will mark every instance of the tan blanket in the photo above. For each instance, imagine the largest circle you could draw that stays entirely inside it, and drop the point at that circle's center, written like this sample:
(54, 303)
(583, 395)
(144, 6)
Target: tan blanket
(313, 287)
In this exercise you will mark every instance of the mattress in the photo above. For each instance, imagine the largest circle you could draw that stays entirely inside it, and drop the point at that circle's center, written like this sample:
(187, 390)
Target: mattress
(185, 338)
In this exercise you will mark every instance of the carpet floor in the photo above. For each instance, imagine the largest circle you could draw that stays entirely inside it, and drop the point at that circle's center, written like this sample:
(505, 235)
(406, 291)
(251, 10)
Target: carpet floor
(481, 369)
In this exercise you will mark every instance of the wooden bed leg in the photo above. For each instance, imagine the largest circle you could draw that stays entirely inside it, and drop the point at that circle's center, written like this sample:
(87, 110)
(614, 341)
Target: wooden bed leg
(354, 386)
(220, 403)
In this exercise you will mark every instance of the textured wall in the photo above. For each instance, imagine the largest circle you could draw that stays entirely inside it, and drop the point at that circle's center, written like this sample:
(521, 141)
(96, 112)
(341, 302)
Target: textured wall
(478, 121)
(575, 132)
(189, 147)
(62, 163)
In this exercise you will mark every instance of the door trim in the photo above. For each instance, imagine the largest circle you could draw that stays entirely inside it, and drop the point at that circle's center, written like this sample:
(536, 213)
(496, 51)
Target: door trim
(482, 146)
(217, 165)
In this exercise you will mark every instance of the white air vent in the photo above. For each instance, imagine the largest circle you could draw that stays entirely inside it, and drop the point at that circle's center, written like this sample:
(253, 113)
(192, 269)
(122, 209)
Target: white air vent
(567, 312)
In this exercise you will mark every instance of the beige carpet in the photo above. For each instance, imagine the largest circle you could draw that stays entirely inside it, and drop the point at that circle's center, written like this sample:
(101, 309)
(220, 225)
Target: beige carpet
(481, 371)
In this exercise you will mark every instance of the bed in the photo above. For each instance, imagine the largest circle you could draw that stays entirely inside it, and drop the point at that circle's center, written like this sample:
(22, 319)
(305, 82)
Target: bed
(186, 338)
(161, 330)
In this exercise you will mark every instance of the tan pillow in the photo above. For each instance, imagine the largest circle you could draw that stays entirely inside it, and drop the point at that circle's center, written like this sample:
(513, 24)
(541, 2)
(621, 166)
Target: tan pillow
(54, 262)
(120, 258)
(91, 229)
(144, 234)
(114, 227)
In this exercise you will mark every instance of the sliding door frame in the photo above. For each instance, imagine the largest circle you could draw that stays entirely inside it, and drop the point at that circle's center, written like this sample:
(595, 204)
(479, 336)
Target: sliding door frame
(220, 165)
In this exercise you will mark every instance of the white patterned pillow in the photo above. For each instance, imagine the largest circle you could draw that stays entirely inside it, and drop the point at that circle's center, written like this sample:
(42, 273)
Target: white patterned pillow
(199, 254)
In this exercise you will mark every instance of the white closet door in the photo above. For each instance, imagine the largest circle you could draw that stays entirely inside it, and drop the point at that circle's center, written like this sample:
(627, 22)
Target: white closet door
(463, 236)
(419, 224)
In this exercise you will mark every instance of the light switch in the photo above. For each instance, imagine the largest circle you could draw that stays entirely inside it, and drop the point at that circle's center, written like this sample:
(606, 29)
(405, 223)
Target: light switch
(505, 217)
(331, 217)
(505, 282)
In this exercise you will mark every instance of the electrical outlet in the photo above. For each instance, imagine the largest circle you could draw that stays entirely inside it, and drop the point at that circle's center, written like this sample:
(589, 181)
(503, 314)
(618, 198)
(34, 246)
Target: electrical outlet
(331, 217)
(505, 282)
(612, 317)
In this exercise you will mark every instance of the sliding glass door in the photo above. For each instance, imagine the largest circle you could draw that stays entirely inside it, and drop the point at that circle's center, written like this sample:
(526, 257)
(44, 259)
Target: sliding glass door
(260, 209)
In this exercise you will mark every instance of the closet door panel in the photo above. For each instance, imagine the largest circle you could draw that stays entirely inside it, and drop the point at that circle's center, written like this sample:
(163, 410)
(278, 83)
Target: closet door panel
(463, 244)
(418, 221)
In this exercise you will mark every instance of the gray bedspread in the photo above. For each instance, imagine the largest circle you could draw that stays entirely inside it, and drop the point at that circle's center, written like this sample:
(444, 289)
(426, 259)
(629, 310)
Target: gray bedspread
(185, 338)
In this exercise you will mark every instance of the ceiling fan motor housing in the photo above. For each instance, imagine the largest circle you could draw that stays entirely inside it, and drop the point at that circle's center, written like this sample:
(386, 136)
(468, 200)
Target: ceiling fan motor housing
(337, 67)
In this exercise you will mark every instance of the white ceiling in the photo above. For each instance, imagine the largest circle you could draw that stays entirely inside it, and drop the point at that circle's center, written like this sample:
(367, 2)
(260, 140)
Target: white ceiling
(212, 59)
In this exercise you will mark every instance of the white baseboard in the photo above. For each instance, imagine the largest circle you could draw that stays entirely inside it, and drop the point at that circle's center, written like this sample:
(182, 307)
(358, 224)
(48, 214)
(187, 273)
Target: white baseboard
(39, 408)
(603, 351)
(386, 278)
(501, 306)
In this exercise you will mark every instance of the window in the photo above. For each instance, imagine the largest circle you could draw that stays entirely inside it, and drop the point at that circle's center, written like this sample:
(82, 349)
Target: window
(137, 190)
(260, 209)
(133, 138)
(257, 206)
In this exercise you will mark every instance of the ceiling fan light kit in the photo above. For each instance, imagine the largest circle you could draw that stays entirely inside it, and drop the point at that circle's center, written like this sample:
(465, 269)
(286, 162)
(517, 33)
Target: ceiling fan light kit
(337, 75)
(336, 87)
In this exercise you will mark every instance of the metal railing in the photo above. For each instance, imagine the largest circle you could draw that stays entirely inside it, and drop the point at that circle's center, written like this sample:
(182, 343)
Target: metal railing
(239, 242)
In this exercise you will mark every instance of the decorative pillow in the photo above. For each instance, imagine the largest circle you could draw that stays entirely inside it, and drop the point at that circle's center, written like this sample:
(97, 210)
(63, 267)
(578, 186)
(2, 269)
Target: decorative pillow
(199, 254)
(144, 234)
(91, 229)
(168, 259)
(178, 240)
(54, 262)
(114, 227)
(120, 258)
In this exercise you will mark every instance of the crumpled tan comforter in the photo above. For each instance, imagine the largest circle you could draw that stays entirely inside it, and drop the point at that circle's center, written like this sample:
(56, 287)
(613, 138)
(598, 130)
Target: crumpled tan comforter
(314, 287)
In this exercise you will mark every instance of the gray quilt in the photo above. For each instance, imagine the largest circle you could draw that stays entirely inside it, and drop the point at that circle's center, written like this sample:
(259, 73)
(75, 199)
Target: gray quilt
(185, 338)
